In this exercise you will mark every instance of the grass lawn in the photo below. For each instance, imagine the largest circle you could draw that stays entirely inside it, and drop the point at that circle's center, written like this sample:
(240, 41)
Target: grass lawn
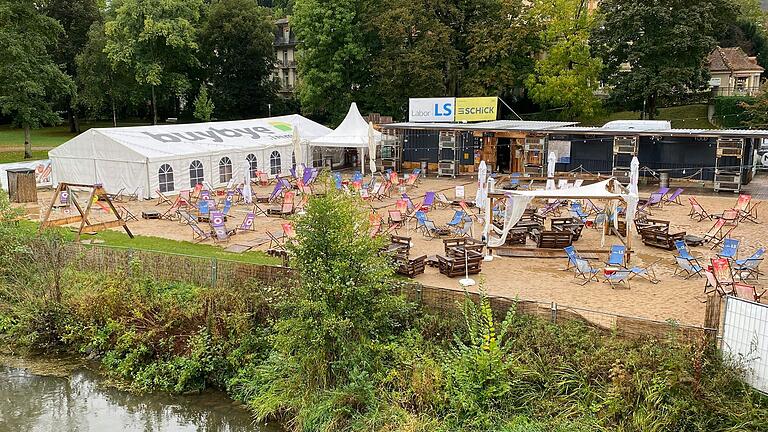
(158, 244)
(686, 116)
(18, 156)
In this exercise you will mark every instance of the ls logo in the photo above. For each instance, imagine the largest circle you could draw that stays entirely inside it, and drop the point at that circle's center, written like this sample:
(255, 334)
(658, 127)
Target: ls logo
(445, 111)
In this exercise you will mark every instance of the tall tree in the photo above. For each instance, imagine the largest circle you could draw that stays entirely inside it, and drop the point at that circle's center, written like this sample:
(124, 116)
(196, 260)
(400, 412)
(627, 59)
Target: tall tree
(203, 106)
(757, 111)
(656, 48)
(748, 31)
(567, 75)
(333, 55)
(29, 78)
(415, 55)
(156, 40)
(236, 50)
(76, 17)
(101, 87)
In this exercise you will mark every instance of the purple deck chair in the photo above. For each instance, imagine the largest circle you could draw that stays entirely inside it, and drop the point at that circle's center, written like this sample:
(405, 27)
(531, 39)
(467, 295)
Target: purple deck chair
(674, 198)
(306, 178)
(429, 201)
(247, 224)
(655, 199)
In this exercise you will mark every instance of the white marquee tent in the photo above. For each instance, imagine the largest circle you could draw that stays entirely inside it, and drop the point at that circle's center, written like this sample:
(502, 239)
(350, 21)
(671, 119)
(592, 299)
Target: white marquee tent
(169, 158)
(351, 133)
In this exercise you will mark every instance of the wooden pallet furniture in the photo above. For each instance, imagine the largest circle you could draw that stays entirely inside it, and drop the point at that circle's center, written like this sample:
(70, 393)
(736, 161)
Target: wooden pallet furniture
(660, 238)
(553, 239)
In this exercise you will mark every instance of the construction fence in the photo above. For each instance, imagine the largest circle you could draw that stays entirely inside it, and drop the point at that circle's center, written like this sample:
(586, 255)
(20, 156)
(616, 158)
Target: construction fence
(745, 339)
(213, 272)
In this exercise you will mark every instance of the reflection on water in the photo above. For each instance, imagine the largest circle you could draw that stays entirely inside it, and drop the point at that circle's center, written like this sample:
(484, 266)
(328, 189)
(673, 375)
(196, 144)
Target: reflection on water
(30, 402)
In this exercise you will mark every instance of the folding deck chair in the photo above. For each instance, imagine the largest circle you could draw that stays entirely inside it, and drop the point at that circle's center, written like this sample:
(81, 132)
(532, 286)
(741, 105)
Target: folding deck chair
(463, 205)
(247, 224)
(162, 199)
(717, 233)
(749, 265)
(286, 208)
(618, 276)
(126, 214)
(585, 270)
(578, 212)
(277, 244)
(747, 210)
(697, 211)
(674, 197)
(413, 177)
(687, 267)
(617, 257)
(220, 231)
(730, 249)
(374, 223)
(646, 273)
(395, 219)
(428, 202)
(570, 251)
(747, 292)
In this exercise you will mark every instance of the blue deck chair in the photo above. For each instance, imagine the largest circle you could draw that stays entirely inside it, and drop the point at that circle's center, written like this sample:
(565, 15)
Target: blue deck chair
(617, 256)
(421, 217)
(570, 251)
(357, 176)
(337, 180)
(688, 267)
(730, 248)
(585, 270)
(683, 251)
(458, 217)
(750, 264)
(577, 211)
(645, 273)
(617, 277)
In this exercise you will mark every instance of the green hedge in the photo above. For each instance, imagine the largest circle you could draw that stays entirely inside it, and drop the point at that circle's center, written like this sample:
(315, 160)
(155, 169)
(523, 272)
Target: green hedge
(728, 111)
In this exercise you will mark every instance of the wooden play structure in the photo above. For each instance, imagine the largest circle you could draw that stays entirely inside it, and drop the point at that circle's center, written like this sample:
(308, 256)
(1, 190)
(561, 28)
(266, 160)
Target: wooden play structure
(96, 194)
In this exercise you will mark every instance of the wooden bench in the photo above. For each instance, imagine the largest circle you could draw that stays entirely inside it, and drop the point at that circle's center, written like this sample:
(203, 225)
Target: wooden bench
(453, 267)
(410, 267)
(456, 246)
(660, 238)
(644, 222)
(574, 225)
(553, 239)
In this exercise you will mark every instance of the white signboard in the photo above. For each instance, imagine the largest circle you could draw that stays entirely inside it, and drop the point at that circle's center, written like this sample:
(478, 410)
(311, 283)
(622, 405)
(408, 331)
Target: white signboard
(714, 82)
(562, 149)
(431, 109)
(459, 192)
(42, 172)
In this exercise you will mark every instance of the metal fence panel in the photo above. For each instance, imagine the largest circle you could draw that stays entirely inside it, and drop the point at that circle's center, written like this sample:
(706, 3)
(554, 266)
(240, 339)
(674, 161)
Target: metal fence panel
(745, 338)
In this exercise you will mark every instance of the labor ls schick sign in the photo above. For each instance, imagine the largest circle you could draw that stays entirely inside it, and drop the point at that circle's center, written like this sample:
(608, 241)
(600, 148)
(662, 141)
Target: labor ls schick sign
(431, 109)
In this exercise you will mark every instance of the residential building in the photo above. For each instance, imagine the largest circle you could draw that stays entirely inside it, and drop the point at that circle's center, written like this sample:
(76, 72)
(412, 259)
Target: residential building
(285, 50)
(733, 72)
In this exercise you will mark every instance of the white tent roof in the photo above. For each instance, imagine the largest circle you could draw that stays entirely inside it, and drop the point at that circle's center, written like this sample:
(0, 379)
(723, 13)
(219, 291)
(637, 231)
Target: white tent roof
(168, 142)
(595, 190)
(352, 132)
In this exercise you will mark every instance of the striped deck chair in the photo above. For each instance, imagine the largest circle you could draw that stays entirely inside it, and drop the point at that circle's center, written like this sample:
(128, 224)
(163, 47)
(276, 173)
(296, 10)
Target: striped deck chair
(717, 233)
(616, 277)
(674, 197)
(697, 211)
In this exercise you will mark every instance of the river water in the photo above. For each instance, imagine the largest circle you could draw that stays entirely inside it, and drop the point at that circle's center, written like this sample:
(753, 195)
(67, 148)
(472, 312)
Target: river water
(66, 397)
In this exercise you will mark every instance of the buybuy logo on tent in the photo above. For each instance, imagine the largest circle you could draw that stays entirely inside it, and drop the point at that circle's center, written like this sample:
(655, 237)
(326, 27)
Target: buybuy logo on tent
(221, 134)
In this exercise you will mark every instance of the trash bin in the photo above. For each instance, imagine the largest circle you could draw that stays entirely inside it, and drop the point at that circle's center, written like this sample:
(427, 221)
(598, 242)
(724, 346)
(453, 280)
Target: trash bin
(663, 179)
(424, 167)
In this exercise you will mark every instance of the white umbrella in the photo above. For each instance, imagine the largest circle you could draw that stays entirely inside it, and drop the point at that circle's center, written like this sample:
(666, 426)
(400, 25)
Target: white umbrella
(482, 174)
(297, 153)
(372, 147)
(551, 161)
(247, 192)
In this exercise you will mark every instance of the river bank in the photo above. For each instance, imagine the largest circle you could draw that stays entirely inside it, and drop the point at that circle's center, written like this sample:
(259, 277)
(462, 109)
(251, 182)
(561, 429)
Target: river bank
(69, 395)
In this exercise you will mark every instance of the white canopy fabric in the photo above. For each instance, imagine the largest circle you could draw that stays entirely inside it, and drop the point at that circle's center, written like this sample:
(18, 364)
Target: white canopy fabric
(352, 132)
(517, 201)
(136, 158)
(372, 146)
(247, 191)
(551, 161)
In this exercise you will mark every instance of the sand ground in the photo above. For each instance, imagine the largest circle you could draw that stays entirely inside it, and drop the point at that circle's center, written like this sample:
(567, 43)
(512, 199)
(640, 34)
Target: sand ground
(539, 279)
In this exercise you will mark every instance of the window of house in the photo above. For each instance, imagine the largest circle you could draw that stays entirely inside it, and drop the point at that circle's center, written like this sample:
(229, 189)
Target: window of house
(196, 173)
(165, 178)
(225, 170)
(274, 163)
(285, 58)
(287, 81)
(253, 164)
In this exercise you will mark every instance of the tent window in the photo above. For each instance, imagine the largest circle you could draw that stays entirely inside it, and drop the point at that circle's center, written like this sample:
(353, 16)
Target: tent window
(225, 170)
(195, 173)
(165, 178)
(253, 164)
(274, 163)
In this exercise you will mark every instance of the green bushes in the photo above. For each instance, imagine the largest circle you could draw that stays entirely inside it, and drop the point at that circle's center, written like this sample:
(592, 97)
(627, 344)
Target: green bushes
(340, 352)
(730, 112)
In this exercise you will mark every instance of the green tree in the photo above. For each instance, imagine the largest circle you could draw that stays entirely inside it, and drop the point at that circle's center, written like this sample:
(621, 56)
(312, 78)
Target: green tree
(566, 76)
(757, 111)
(334, 55)
(656, 49)
(76, 16)
(156, 40)
(29, 78)
(415, 54)
(236, 50)
(748, 31)
(203, 105)
(102, 87)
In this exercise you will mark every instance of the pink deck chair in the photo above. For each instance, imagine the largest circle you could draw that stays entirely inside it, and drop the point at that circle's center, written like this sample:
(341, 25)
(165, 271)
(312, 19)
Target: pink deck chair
(697, 211)
(717, 233)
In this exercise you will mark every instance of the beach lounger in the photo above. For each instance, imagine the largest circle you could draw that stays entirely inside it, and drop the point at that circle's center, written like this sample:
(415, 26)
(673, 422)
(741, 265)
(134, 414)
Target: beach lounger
(749, 267)
(687, 267)
(697, 211)
(126, 214)
(198, 235)
(247, 224)
(286, 208)
(617, 257)
(682, 249)
(185, 217)
(220, 231)
(162, 199)
(646, 273)
(717, 233)
(674, 197)
(751, 214)
(730, 249)
(617, 276)
(428, 202)
(585, 271)
(413, 177)
(458, 218)
(747, 292)
(463, 205)
(570, 251)
(746, 209)
(395, 219)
